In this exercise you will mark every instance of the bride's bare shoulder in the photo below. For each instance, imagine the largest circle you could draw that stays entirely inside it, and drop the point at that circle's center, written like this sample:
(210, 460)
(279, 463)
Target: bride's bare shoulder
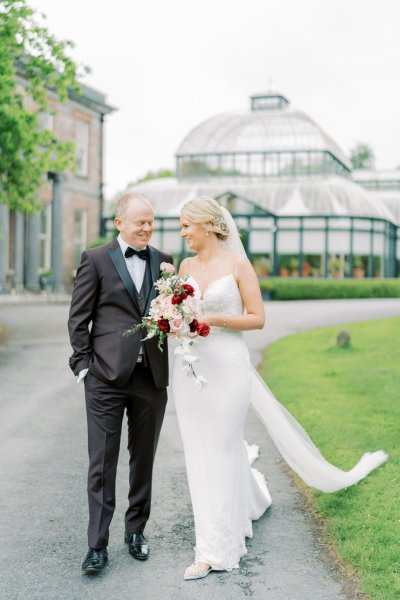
(184, 266)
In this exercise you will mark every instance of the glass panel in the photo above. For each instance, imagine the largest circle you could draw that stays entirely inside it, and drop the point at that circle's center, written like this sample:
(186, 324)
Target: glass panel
(314, 242)
(272, 164)
(289, 223)
(363, 224)
(314, 223)
(172, 242)
(288, 242)
(257, 164)
(339, 223)
(241, 167)
(361, 244)
(227, 167)
(260, 241)
(379, 243)
(339, 242)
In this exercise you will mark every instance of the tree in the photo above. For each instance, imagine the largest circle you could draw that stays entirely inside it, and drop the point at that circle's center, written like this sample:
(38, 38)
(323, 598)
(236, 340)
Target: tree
(31, 55)
(362, 157)
(161, 173)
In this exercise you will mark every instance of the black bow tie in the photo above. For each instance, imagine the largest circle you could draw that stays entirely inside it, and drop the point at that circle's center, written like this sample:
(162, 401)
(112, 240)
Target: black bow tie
(143, 253)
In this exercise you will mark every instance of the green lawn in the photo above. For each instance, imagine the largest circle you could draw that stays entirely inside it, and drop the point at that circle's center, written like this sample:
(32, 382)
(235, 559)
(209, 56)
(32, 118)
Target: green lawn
(348, 400)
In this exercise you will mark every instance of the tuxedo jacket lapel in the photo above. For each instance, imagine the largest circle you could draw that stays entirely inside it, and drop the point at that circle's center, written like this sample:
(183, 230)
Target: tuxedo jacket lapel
(119, 263)
(155, 274)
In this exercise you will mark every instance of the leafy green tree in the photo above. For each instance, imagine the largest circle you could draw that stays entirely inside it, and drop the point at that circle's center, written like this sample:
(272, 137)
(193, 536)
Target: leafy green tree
(155, 175)
(33, 63)
(362, 157)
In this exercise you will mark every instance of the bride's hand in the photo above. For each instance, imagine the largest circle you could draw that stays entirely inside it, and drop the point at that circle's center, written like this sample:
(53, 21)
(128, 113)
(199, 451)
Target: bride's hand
(210, 319)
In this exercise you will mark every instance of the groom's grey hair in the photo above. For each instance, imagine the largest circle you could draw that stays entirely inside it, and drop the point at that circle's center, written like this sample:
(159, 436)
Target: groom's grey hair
(128, 197)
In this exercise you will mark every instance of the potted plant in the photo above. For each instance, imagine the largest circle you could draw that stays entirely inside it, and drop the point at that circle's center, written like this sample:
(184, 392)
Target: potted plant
(262, 266)
(306, 269)
(294, 266)
(283, 266)
(358, 268)
(334, 267)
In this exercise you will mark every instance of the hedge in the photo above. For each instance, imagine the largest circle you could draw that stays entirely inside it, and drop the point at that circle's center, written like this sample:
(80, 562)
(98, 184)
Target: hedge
(278, 288)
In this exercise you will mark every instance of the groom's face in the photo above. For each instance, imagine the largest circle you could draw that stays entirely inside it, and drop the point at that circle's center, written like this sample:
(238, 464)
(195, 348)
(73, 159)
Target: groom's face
(136, 224)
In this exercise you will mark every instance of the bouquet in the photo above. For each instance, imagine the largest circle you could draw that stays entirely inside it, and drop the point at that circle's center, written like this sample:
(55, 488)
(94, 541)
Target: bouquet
(175, 313)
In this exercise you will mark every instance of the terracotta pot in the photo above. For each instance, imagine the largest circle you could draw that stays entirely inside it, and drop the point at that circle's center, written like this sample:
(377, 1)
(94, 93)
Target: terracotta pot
(283, 272)
(358, 273)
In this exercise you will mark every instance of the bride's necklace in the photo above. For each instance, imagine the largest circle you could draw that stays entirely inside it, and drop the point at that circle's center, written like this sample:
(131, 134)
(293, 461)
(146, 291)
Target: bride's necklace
(204, 264)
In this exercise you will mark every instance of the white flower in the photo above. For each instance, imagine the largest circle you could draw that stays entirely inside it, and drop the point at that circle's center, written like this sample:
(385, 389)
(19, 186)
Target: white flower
(190, 358)
(200, 381)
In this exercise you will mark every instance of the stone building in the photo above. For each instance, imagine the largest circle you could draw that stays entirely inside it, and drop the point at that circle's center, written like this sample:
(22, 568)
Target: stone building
(44, 250)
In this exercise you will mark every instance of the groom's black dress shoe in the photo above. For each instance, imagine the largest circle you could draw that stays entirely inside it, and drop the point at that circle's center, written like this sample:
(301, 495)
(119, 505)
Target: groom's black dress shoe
(138, 545)
(95, 561)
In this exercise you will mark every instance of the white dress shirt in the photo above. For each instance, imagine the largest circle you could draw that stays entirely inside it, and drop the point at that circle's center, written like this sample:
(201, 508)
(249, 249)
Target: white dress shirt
(135, 265)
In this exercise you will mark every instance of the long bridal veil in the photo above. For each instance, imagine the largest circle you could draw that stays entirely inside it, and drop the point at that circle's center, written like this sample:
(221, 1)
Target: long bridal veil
(298, 450)
(290, 439)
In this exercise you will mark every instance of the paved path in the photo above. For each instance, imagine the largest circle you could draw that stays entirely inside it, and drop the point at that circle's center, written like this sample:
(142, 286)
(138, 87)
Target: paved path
(43, 471)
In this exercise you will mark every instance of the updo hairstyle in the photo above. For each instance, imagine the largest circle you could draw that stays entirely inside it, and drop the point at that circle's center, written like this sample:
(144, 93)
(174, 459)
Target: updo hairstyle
(205, 211)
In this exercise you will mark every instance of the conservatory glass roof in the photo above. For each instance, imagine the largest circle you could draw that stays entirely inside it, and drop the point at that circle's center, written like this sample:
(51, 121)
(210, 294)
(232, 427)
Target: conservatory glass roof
(266, 128)
(335, 196)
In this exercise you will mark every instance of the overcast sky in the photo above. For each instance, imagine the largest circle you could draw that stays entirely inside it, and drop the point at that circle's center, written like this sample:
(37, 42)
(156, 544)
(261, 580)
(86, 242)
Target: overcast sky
(168, 65)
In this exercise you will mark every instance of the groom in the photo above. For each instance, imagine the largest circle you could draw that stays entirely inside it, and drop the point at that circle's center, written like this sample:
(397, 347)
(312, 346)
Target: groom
(113, 290)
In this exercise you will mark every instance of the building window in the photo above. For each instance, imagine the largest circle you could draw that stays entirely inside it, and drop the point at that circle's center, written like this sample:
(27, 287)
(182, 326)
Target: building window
(45, 238)
(46, 121)
(82, 148)
(80, 237)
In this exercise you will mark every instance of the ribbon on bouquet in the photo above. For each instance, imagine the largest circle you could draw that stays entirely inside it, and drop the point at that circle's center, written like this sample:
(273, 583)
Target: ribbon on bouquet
(188, 358)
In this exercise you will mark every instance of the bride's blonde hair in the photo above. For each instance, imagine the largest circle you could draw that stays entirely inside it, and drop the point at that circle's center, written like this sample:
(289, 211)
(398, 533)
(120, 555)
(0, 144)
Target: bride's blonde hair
(205, 211)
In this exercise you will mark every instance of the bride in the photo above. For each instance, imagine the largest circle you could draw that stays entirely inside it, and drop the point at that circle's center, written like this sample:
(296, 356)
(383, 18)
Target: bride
(226, 493)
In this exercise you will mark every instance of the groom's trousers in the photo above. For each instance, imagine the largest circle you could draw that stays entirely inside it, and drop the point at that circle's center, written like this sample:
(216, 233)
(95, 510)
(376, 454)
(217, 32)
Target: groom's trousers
(105, 407)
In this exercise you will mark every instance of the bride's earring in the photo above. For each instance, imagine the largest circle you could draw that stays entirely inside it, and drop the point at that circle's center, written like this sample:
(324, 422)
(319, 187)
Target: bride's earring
(206, 233)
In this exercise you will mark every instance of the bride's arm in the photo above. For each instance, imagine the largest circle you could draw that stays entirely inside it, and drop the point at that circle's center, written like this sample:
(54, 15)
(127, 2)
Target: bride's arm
(251, 295)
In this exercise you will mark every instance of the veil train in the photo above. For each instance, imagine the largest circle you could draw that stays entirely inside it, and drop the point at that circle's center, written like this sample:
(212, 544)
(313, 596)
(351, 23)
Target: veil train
(290, 439)
(297, 448)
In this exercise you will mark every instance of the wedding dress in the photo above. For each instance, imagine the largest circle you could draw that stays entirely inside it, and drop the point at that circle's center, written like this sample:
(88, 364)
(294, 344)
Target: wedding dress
(226, 493)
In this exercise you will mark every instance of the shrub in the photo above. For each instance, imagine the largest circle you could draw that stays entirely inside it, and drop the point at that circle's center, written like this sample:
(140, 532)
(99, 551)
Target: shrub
(323, 289)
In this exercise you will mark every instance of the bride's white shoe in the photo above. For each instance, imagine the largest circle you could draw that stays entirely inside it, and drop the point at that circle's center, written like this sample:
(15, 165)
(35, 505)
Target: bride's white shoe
(196, 571)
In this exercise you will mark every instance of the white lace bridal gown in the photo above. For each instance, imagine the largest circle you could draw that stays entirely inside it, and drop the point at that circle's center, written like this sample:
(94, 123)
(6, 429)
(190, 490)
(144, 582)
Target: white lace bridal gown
(226, 493)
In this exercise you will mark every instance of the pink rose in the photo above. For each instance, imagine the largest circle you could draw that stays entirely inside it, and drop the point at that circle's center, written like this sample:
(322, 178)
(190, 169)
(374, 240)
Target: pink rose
(167, 268)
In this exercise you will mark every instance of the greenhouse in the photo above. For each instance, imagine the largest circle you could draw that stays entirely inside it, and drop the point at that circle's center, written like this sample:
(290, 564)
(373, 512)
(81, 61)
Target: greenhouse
(290, 188)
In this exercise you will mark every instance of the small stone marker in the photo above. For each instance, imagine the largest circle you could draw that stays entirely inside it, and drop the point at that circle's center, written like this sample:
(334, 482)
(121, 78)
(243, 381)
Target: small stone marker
(343, 338)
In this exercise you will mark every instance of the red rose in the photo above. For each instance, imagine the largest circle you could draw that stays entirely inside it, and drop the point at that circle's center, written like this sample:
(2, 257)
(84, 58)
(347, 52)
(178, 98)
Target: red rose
(178, 298)
(193, 326)
(203, 329)
(188, 289)
(163, 324)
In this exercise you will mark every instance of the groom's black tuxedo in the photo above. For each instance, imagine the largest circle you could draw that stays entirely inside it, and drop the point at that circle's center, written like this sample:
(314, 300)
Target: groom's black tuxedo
(105, 303)
(105, 296)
